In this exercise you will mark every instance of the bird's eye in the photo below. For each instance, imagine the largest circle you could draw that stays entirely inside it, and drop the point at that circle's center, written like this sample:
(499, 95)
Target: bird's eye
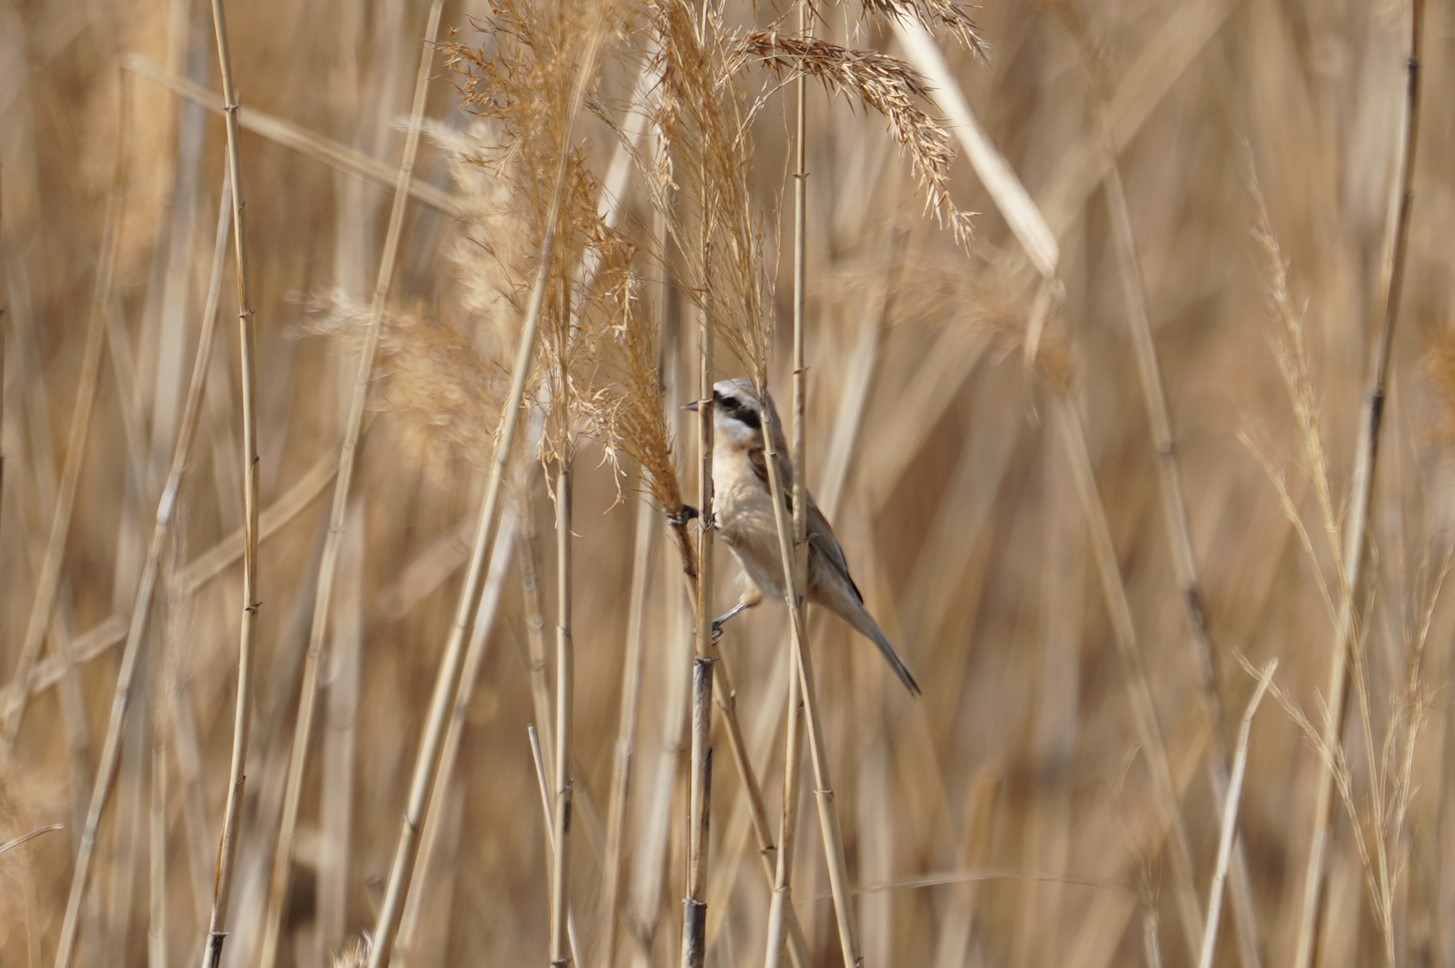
(730, 403)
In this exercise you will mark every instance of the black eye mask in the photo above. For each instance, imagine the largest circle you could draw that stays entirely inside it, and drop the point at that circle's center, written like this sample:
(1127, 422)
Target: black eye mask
(734, 408)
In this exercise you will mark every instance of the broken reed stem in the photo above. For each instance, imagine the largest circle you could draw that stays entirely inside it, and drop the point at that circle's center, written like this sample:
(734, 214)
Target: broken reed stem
(1139, 689)
(348, 452)
(427, 762)
(621, 772)
(1366, 457)
(146, 589)
(232, 817)
(538, 758)
(561, 819)
(1228, 835)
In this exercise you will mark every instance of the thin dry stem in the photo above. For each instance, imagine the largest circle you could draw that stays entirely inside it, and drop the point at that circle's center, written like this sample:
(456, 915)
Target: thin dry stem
(1229, 828)
(137, 628)
(428, 759)
(565, 672)
(343, 480)
(1358, 523)
(1169, 476)
(242, 720)
(48, 581)
(543, 782)
(621, 773)
(1139, 690)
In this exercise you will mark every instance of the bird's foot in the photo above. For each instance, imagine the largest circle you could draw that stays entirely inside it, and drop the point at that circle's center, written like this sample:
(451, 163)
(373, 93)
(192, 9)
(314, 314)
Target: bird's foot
(684, 514)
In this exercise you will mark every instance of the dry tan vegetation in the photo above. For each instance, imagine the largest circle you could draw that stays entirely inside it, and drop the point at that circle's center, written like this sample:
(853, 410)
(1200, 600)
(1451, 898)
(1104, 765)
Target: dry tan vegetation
(1105, 494)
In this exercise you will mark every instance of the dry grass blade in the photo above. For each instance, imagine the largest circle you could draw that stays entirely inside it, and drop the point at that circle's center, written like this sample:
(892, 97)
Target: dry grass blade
(343, 480)
(26, 838)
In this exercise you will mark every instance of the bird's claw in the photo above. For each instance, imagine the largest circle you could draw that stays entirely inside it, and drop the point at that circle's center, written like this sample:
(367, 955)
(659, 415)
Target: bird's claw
(716, 634)
(684, 514)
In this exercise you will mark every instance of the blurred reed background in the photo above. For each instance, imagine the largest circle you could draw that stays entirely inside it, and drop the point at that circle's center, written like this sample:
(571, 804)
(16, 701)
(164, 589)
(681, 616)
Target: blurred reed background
(1213, 180)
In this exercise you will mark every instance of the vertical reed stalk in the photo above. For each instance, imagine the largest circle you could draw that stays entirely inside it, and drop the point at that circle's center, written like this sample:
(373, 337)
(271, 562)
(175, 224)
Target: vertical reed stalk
(427, 762)
(348, 451)
(782, 901)
(157, 837)
(545, 791)
(621, 774)
(500, 559)
(227, 852)
(561, 816)
(793, 737)
(694, 905)
(1357, 525)
(795, 566)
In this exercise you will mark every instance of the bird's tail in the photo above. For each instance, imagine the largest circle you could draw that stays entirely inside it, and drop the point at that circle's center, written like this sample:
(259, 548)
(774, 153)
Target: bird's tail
(865, 623)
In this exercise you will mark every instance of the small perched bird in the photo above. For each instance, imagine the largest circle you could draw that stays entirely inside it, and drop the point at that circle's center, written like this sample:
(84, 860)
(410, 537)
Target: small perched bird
(743, 508)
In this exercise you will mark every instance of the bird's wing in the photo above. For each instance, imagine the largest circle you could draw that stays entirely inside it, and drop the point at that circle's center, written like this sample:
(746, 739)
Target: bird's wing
(821, 539)
(823, 544)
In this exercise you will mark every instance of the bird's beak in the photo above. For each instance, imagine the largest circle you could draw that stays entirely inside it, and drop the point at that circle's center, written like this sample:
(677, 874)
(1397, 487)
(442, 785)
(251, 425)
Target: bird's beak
(692, 406)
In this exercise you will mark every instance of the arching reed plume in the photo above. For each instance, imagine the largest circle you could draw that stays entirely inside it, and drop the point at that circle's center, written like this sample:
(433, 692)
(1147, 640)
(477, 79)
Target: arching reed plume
(880, 83)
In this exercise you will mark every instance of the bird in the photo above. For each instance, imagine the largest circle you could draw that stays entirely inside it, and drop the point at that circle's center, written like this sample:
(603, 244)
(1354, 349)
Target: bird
(743, 516)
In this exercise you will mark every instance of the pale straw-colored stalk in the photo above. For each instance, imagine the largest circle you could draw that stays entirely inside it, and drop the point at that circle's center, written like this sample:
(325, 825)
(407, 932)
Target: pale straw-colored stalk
(1357, 523)
(543, 783)
(793, 738)
(621, 772)
(1229, 827)
(565, 688)
(242, 720)
(343, 480)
